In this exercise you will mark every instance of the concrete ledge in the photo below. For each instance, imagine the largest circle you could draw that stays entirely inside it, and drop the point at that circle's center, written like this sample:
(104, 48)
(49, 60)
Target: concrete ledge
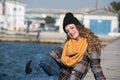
(47, 37)
(54, 37)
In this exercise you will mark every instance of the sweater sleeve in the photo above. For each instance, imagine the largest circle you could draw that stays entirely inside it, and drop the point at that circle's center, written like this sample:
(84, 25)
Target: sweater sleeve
(56, 54)
(96, 66)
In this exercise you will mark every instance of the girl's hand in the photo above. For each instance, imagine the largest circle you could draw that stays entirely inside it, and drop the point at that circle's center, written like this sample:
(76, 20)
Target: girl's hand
(54, 54)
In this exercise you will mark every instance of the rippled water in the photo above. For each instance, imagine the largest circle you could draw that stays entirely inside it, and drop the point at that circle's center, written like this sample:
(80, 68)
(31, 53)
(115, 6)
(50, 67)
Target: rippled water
(14, 55)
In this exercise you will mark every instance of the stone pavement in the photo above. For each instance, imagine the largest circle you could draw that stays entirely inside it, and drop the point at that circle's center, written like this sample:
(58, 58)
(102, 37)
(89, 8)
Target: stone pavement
(110, 62)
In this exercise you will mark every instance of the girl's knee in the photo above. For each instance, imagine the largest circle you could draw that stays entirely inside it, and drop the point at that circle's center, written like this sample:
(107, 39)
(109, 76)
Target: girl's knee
(40, 57)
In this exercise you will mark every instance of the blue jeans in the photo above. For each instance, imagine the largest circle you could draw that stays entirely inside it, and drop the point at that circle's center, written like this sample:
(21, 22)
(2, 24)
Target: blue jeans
(44, 67)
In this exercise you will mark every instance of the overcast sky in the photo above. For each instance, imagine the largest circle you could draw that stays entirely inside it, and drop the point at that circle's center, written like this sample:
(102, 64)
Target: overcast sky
(66, 4)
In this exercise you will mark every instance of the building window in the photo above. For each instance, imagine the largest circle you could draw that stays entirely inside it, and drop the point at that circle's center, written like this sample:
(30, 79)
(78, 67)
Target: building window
(20, 9)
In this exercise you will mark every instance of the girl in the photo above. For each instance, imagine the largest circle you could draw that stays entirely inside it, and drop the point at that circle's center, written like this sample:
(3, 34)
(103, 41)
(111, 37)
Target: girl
(72, 60)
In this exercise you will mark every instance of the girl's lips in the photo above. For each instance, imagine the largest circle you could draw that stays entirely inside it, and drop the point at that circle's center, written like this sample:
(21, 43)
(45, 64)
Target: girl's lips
(72, 35)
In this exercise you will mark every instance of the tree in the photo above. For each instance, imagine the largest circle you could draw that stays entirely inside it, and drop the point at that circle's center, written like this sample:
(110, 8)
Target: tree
(49, 20)
(115, 6)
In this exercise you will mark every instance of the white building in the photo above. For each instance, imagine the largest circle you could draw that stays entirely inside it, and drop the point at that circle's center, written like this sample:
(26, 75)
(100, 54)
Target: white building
(1, 17)
(102, 22)
(0, 8)
(14, 15)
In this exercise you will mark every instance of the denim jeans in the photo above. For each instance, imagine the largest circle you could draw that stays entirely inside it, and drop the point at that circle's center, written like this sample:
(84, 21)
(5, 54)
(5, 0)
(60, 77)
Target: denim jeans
(44, 67)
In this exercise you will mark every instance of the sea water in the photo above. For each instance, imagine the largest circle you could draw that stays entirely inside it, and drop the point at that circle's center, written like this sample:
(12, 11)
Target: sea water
(14, 56)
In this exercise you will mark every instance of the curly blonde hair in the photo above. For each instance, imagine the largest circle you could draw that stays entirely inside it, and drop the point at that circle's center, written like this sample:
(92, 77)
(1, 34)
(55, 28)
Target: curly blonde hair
(94, 43)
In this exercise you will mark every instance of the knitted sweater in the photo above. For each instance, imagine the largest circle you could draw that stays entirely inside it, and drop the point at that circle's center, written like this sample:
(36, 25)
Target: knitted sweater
(79, 71)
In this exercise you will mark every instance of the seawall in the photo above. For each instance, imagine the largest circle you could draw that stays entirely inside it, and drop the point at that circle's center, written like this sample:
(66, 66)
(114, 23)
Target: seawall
(47, 37)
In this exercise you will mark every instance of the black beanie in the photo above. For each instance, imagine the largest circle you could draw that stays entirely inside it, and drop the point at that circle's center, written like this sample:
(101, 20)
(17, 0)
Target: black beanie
(70, 19)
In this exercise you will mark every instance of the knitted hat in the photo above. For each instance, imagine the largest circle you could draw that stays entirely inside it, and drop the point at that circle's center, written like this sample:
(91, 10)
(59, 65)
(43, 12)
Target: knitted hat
(69, 19)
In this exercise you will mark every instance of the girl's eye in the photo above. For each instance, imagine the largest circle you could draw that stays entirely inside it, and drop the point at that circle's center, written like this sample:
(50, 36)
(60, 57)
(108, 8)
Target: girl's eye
(72, 28)
(67, 31)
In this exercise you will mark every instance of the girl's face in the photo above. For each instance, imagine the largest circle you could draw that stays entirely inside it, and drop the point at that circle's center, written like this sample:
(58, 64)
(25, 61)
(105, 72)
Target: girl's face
(72, 31)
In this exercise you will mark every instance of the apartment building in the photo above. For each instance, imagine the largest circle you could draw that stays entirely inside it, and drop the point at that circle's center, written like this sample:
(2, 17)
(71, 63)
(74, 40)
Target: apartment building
(13, 15)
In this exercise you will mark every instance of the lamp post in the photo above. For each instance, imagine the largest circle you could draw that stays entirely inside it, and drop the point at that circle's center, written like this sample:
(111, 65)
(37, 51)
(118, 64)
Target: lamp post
(3, 5)
(96, 4)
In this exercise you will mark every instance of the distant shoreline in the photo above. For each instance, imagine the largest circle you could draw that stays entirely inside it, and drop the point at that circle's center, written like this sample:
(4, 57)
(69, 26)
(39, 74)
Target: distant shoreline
(43, 37)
